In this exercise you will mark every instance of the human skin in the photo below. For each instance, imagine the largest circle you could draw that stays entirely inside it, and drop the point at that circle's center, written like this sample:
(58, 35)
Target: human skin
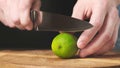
(104, 17)
(97, 40)
(16, 13)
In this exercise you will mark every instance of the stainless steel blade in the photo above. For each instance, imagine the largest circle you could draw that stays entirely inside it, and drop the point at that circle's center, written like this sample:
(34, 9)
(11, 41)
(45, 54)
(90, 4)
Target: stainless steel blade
(57, 22)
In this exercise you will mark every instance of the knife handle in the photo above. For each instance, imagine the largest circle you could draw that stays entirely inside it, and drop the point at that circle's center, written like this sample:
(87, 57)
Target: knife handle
(33, 16)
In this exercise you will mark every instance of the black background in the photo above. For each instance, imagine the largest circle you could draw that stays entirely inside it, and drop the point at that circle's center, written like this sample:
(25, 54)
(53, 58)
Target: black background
(14, 38)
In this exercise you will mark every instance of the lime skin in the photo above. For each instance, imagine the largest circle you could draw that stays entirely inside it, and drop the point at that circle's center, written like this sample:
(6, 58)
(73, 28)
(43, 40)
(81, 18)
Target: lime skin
(64, 45)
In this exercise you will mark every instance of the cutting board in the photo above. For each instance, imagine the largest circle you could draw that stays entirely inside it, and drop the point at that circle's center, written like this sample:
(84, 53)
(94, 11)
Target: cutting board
(46, 59)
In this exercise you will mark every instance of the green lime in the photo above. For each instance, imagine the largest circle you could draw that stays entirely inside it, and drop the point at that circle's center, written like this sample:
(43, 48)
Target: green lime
(64, 45)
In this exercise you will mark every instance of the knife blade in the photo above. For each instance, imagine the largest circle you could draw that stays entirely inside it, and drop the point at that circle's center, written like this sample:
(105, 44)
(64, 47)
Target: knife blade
(46, 21)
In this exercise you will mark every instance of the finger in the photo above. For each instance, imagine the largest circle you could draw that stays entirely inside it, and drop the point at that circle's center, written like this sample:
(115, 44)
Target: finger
(104, 35)
(25, 20)
(78, 12)
(96, 20)
(20, 27)
(13, 14)
(110, 44)
(7, 21)
(36, 5)
(3, 18)
(107, 47)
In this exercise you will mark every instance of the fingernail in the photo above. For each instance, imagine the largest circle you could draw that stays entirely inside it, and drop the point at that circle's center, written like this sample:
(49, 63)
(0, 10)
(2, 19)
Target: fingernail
(81, 45)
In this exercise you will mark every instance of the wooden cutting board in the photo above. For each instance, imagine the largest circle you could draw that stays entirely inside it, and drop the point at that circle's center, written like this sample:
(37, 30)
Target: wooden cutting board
(46, 59)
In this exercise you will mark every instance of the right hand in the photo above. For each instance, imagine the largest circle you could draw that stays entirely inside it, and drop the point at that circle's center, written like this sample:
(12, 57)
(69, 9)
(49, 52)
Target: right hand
(16, 13)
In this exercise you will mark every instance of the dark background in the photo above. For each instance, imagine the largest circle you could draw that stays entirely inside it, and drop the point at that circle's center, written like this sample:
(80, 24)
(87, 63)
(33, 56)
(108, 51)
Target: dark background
(14, 38)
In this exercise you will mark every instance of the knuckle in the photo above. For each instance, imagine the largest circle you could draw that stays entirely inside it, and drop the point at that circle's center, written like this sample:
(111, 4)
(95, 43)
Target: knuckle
(25, 5)
(98, 24)
(11, 26)
(107, 36)
(26, 24)
(114, 13)
(105, 3)
(15, 20)
(23, 8)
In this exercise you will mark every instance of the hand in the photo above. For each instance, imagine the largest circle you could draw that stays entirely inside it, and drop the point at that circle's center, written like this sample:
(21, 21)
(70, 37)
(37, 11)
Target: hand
(16, 13)
(103, 15)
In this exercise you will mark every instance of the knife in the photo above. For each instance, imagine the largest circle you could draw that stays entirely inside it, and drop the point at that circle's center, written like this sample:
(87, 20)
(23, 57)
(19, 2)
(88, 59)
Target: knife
(46, 21)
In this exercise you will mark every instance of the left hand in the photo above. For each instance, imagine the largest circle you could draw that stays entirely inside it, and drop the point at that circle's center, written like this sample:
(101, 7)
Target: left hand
(104, 17)
(16, 13)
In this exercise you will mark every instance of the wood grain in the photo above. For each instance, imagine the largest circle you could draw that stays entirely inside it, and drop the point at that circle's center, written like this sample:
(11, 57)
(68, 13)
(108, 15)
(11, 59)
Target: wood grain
(46, 59)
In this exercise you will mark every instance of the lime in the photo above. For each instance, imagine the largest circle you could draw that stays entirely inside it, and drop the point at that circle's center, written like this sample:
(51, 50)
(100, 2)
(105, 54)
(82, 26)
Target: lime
(64, 45)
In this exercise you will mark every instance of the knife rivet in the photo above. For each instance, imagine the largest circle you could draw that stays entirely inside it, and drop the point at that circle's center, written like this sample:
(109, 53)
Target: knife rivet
(33, 15)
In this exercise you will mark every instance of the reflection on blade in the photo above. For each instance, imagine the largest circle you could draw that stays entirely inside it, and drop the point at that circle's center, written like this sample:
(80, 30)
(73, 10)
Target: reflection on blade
(56, 22)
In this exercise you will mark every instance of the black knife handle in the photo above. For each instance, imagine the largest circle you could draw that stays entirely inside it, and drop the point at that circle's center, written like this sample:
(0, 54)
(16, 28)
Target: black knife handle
(33, 16)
